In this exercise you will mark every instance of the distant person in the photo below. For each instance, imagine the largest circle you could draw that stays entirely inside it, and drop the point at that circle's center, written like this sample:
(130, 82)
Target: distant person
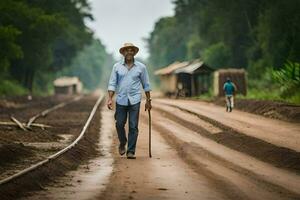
(229, 89)
(126, 79)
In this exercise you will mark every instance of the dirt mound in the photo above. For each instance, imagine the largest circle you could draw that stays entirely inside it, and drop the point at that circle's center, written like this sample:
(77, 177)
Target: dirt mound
(271, 109)
(10, 152)
(36, 135)
(80, 154)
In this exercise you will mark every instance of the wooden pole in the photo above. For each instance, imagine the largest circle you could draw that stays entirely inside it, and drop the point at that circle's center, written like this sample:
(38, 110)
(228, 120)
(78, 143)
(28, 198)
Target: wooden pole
(149, 120)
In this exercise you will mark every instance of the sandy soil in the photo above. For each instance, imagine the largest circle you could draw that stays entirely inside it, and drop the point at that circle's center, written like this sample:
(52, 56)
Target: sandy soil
(277, 132)
(271, 109)
(223, 134)
(164, 176)
(186, 165)
(192, 159)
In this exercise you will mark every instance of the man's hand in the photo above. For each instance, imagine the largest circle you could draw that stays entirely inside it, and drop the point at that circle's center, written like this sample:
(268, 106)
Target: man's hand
(148, 105)
(109, 104)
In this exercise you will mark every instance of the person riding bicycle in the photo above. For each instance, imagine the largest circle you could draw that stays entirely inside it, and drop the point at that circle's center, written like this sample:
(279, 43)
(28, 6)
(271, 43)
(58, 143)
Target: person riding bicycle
(229, 89)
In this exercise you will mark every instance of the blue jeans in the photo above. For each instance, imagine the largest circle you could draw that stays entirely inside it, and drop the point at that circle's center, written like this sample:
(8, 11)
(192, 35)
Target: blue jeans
(121, 117)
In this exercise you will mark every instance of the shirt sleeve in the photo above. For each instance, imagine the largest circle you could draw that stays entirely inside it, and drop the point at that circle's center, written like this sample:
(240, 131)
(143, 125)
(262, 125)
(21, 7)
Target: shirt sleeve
(145, 80)
(112, 84)
(234, 87)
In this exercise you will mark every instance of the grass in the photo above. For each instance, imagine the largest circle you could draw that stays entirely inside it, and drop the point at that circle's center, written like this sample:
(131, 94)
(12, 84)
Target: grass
(11, 88)
(272, 95)
(206, 96)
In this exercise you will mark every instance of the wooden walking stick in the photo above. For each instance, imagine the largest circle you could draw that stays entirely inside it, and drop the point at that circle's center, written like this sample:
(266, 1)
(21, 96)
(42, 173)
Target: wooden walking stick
(149, 121)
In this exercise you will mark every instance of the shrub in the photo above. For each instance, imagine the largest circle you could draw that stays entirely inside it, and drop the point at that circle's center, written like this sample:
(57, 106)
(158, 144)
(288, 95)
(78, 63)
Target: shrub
(11, 88)
(289, 79)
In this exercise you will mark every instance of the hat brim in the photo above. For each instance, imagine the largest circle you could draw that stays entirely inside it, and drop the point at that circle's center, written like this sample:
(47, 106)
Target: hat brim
(136, 49)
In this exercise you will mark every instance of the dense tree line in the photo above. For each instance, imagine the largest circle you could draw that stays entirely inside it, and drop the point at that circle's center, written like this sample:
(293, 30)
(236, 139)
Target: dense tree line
(38, 38)
(92, 65)
(254, 34)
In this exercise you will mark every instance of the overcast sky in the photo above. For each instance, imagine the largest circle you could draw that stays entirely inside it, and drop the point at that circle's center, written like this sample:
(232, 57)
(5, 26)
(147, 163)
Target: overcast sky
(119, 21)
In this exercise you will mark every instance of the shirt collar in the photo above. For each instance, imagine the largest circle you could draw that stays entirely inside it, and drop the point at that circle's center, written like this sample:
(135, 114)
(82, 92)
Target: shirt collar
(123, 62)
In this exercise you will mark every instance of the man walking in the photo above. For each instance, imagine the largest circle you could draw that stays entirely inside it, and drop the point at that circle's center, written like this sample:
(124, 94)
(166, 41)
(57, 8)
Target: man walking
(229, 89)
(127, 77)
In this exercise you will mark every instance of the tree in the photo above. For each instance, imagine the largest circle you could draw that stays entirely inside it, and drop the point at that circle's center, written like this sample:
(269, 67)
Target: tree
(165, 43)
(92, 65)
(9, 49)
(257, 34)
(48, 33)
(217, 55)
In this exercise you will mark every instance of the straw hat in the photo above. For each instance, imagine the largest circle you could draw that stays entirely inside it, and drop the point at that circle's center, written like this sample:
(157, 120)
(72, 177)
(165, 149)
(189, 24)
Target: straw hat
(127, 45)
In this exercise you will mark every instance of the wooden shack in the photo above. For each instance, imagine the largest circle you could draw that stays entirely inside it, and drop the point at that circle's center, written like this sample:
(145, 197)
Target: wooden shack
(237, 76)
(194, 79)
(168, 79)
(67, 85)
(185, 78)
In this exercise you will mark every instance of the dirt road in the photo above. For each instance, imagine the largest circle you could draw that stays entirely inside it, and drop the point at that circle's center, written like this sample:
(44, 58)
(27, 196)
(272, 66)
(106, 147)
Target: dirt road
(164, 176)
(196, 155)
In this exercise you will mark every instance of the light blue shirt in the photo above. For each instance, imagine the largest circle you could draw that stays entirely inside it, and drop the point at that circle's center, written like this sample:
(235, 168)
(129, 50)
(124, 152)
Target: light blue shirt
(127, 83)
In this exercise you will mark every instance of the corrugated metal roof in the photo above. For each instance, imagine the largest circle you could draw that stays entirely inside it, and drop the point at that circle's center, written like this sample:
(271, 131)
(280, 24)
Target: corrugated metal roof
(66, 81)
(190, 68)
(194, 66)
(171, 68)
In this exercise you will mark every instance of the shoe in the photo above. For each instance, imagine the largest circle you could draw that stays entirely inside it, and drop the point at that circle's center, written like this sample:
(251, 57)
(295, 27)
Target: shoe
(230, 109)
(130, 155)
(122, 150)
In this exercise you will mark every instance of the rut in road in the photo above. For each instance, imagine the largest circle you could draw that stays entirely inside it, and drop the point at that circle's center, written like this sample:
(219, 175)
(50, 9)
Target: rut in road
(185, 165)
(164, 176)
(279, 133)
(201, 152)
(181, 169)
(275, 155)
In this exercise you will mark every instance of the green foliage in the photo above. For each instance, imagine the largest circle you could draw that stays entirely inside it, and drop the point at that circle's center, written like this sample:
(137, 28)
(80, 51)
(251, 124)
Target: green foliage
(165, 44)
(9, 49)
(289, 79)
(258, 35)
(277, 32)
(11, 88)
(194, 47)
(294, 99)
(209, 96)
(92, 65)
(264, 82)
(217, 55)
(281, 85)
(262, 94)
(39, 38)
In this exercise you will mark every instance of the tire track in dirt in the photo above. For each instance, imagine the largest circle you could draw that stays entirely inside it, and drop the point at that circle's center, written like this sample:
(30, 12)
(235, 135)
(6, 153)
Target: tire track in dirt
(278, 156)
(276, 132)
(164, 176)
(190, 151)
